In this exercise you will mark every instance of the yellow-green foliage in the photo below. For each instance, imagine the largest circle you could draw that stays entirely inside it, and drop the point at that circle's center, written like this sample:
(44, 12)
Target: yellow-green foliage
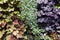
(10, 19)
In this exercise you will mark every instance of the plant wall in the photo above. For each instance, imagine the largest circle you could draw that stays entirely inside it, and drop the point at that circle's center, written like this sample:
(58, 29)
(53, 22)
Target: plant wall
(18, 21)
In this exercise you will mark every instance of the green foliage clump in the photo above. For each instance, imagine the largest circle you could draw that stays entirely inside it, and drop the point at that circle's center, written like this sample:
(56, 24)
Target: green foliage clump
(29, 14)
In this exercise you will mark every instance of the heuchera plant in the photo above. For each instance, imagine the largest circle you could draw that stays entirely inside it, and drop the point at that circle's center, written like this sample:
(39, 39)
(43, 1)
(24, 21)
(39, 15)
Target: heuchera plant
(11, 25)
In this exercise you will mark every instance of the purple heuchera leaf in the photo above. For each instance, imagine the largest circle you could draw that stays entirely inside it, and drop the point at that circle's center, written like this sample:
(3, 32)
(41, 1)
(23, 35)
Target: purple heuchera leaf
(42, 1)
(41, 20)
